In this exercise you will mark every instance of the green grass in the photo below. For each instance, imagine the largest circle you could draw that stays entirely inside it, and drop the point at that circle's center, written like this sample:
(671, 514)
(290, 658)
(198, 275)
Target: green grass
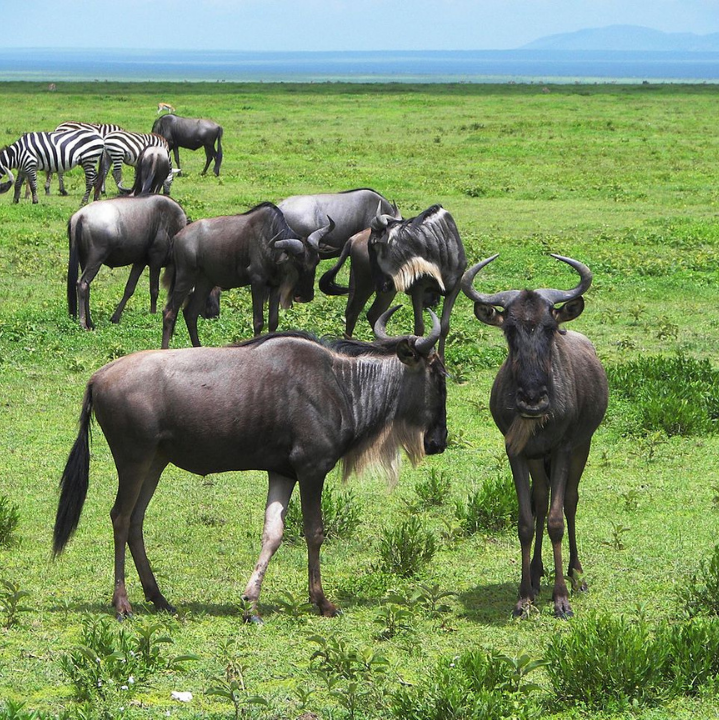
(622, 178)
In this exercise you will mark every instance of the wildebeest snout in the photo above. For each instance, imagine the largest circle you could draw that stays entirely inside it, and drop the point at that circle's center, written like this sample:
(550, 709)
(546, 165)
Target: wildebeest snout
(435, 441)
(532, 401)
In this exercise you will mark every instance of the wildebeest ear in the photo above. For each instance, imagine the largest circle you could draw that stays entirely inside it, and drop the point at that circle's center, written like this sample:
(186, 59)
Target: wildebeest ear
(406, 352)
(569, 311)
(488, 314)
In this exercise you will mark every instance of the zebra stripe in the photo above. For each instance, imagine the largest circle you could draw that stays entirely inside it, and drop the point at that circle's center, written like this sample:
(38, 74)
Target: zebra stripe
(103, 128)
(53, 152)
(125, 147)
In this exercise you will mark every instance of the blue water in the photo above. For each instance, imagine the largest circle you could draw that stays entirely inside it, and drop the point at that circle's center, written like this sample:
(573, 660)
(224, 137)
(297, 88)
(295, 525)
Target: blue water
(52, 65)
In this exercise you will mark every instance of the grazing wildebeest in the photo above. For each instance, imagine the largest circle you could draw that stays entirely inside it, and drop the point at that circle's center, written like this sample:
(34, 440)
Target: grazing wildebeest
(191, 133)
(547, 399)
(257, 248)
(285, 403)
(151, 171)
(422, 256)
(352, 211)
(135, 231)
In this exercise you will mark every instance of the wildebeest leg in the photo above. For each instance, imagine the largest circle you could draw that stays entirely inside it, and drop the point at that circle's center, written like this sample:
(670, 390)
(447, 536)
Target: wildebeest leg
(132, 477)
(180, 290)
(571, 498)
(311, 495)
(176, 153)
(195, 305)
(418, 308)
(273, 309)
(154, 287)
(259, 295)
(136, 541)
(130, 286)
(540, 504)
(559, 469)
(359, 294)
(447, 306)
(83, 294)
(209, 154)
(278, 497)
(380, 304)
(520, 471)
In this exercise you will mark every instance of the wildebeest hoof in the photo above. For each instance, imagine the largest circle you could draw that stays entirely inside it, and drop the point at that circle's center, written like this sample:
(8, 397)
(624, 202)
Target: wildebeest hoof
(253, 619)
(124, 615)
(523, 608)
(562, 609)
(62, 192)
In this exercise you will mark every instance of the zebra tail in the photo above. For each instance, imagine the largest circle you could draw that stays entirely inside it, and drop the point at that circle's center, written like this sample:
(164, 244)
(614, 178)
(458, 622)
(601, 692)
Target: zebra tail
(72, 265)
(327, 281)
(102, 170)
(75, 479)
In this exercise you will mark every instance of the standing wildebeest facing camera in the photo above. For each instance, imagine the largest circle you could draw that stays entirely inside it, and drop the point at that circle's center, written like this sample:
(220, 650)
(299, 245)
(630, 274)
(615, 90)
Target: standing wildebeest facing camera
(257, 248)
(423, 257)
(352, 211)
(547, 399)
(191, 133)
(135, 231)
(284, 403)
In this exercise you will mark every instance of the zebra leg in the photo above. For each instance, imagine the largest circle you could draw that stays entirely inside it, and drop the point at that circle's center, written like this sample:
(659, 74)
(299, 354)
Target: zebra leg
(48, 179)
(90, 176)
(61, 183)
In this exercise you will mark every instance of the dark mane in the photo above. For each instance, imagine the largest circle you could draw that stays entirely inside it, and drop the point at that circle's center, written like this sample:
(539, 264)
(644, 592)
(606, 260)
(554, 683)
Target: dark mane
(432, 210)
(279, 229)
(343, 346)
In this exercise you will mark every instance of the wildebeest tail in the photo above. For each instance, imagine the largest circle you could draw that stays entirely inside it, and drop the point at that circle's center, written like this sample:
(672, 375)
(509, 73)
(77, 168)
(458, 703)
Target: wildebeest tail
(218, 157)
(102, 169)
(327, 281)
(73, 262)
(168, 279)
(75, 479)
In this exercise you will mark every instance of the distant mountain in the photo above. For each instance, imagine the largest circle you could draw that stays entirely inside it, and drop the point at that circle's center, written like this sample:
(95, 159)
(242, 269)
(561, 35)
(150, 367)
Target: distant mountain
(627, 38)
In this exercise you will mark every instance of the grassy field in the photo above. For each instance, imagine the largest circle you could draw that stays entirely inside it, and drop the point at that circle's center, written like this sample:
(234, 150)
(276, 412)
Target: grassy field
(622, 178)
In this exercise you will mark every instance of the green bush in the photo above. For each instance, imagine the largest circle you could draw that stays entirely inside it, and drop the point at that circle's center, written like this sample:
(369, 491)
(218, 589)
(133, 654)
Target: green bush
(340, 515)
(606, 663)
(692, 655)
(491, 508)
(700, 595)
(677, 395)
(433, 490)
(406, 548)
(473, 686)
(9, 519)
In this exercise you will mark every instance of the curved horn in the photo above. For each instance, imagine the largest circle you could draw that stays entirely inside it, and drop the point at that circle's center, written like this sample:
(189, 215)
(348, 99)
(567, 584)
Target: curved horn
(314, 239)
(380, 327)
(424, 344)
(294, 245)
(560, 296)
(501, 299)
(380, 220)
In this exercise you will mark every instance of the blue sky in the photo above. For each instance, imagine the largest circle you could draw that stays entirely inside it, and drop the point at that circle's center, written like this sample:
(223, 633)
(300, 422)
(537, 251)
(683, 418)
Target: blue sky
(332, 24)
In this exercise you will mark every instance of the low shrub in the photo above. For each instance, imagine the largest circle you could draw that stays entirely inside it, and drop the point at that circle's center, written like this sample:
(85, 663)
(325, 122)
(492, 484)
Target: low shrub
(406, 548)
(676, 395)
(9, 519)
(490, 508)
(340, 515)
(433, 490)
(700, 595)
(474, 686)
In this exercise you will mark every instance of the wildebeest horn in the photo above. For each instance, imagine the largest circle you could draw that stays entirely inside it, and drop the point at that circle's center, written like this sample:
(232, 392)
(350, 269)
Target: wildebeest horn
(380, 327)
(380, 220)
(314, 239)
(501, 299)
(292, 244)
(561, 296)
(424, 344)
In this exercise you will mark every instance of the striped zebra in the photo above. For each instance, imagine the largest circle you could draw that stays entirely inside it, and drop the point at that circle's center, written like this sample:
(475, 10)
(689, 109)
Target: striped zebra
(102, 128)
(53, 152)
(125, 147)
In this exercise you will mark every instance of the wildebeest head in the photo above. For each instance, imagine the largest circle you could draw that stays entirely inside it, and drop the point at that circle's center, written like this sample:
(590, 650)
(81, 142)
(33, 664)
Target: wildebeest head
(4, 187)
(530, 321)
(298, 259)
(429, 408)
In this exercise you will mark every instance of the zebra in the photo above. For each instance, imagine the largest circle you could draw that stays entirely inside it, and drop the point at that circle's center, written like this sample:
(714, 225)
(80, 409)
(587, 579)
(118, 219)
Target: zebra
(102, 128)
(54, 152)
(123, 146)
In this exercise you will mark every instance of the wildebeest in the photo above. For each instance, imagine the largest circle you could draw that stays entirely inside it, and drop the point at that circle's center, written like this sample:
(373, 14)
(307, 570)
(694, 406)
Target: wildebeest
(151, 171)
(422, 256)
(352, 211)
(284, 403)
(256, 248)
(547, 399)
(192, 133)
(135, 231)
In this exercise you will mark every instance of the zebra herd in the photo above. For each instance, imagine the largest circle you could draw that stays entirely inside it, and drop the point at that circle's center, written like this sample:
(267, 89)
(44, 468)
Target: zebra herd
(95, 147)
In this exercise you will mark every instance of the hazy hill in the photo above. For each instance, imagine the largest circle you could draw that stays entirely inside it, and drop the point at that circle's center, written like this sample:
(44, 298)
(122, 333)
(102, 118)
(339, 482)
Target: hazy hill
(625, 38)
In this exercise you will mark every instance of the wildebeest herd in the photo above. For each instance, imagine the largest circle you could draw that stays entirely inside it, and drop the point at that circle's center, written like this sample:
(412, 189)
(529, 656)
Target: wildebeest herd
(288, 403)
